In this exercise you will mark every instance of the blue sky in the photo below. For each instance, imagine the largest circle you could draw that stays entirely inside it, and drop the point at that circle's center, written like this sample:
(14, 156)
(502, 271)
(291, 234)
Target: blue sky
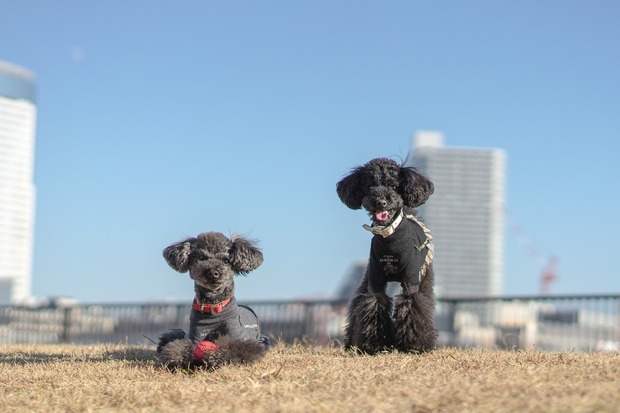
(159, 120)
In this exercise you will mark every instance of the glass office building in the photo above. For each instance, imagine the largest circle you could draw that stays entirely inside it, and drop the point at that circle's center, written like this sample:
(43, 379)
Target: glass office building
(17, 191)
(465, 214)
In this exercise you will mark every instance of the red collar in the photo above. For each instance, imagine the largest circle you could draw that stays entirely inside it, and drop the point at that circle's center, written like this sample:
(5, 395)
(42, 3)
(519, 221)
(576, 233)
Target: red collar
(209, 308)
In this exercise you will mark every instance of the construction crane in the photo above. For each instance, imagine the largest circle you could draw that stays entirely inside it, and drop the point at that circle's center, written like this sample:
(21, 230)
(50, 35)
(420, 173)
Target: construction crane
(549, 273)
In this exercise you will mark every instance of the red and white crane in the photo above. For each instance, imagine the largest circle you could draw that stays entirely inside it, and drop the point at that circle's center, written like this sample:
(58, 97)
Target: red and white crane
(549, 273)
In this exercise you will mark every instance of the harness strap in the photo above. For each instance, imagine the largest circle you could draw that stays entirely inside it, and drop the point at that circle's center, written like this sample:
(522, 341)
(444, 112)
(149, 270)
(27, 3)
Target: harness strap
(428, 243)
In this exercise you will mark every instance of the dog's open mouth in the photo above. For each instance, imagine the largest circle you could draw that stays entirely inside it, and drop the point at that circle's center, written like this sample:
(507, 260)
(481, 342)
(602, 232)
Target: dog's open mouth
(382, 215)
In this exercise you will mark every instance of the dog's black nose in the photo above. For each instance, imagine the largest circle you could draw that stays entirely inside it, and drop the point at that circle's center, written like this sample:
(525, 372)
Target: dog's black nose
(381, 203)
(215, 274)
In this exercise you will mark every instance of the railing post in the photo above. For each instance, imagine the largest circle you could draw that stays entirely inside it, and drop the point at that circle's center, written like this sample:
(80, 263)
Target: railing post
(309, 321)
(179, 320)
(65, 336)
(451, 307)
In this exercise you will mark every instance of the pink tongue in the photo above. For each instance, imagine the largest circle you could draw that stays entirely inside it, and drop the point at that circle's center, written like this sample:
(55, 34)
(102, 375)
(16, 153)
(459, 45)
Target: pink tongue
(382, 215)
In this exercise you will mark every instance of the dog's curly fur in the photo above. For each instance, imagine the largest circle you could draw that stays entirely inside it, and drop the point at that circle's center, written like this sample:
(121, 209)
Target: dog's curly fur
(386, 189)
(213, 260)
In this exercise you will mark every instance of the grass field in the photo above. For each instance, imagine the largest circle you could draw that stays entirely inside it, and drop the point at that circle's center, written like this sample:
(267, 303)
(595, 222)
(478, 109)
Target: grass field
(309, 379)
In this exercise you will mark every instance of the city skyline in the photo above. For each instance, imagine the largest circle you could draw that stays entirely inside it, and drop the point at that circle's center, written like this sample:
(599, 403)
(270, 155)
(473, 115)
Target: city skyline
(157, 121)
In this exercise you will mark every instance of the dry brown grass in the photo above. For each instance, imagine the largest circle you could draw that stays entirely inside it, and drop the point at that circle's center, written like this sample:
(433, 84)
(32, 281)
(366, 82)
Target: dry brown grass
(309, 379)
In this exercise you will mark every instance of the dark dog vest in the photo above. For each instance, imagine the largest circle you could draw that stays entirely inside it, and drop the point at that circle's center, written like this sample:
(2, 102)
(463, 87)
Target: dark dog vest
(236, 321)
(402, 254)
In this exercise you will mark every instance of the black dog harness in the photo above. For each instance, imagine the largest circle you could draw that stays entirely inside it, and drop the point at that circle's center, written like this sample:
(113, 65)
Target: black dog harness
(210, 321)
(400, 252)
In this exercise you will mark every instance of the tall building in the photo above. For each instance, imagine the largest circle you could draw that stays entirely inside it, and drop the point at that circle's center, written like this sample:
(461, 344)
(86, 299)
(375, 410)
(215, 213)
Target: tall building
(465, 214)
(17, 192)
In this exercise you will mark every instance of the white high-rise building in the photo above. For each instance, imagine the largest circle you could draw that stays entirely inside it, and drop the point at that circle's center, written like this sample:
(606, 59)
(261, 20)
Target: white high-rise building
(17, 192)
(465, 214)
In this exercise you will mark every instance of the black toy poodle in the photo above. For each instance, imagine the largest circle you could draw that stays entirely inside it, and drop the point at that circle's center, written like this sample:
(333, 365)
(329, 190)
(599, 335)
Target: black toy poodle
(220, 331)
(401, 251)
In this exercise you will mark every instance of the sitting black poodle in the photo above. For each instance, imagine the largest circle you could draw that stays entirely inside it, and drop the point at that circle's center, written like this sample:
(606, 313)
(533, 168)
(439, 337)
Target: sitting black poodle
(401, 251)
(220, 331)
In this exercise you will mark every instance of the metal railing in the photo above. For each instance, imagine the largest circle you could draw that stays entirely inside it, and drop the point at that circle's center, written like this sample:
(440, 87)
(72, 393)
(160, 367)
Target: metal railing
(578, 322)
(563, 322)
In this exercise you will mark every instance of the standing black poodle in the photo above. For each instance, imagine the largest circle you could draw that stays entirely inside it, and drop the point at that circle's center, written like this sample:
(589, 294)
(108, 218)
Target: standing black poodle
(220, 331)
(401, 251)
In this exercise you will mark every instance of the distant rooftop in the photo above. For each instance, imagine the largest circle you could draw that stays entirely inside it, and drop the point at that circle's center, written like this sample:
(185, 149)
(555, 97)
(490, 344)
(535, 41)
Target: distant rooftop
(428, 139)
(16, 82)
(11, 69)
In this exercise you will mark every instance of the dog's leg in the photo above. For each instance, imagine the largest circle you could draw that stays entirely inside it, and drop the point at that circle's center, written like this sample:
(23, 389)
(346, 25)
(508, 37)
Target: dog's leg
(369, 323)
(413, 318)
(234, 351)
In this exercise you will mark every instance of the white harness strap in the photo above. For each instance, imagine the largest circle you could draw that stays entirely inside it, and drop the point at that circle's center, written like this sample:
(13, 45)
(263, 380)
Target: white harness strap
(428, 244)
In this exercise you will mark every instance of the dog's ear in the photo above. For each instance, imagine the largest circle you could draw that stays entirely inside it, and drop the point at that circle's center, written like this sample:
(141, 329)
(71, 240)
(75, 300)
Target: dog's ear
(244, 256)
(415, 188)
(177, 254)
(350, 189)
